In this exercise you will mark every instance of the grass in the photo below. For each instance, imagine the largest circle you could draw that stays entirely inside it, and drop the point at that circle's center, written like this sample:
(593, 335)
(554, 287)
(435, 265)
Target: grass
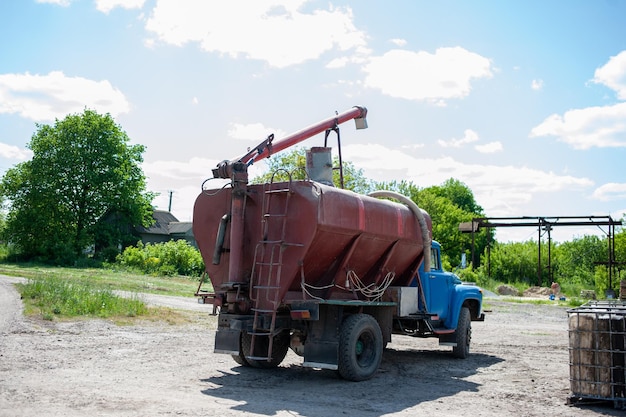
(109, 278)
(58, 293)
(55, 297)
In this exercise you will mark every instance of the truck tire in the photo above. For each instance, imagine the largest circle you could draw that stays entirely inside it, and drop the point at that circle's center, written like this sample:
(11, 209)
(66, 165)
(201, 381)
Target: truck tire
(360, 347)
(280, 346)
(241, 357)
(463, 335)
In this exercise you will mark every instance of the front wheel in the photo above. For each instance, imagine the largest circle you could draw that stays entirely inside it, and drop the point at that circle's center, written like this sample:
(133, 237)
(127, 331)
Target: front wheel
(463, 335)
(360, 347)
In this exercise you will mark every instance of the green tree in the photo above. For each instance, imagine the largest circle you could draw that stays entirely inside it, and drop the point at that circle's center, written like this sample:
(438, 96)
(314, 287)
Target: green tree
(446, 217)
(82, 168)
(620, 248)
(514, 262)
(575, 261)
(459, 194)
(282, 166)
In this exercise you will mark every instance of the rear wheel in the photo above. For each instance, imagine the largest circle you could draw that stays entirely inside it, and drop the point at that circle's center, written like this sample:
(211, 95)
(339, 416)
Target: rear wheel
(280, 346)
(241, 357)
(360, 347)
(463, 334)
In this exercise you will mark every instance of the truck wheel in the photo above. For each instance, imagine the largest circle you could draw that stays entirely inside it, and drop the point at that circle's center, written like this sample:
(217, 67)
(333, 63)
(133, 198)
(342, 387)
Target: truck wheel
(241, 358)
(463, 335)
(280, 346)
(360, 347)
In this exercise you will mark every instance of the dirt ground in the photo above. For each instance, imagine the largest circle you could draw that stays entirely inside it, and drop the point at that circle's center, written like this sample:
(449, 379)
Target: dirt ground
(519, 366)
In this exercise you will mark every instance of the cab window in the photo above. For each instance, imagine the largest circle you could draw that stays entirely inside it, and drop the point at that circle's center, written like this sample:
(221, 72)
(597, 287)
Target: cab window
(435, 262)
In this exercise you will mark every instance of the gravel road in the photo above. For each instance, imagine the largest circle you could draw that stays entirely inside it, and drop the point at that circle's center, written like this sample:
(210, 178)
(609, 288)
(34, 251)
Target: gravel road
(519, 366)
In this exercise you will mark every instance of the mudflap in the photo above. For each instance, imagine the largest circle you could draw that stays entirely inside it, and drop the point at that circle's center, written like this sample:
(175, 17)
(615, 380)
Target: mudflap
(322, 345)
(227, 341)
(447, 339)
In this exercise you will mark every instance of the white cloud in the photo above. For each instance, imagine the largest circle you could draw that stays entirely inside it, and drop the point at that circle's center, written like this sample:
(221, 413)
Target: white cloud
(500, 190)
(338, 62)
(194, 169)
(413, 146)
(182, 200)
(399, 42)
(255, 132)
(257, 29)
(437, 77)
(13, 152)
(105, 6)
(619, 214)
(613, 74)
(491, 147)
(469, 136)
(55, 95)
(610, 191)
(537, 85)
(603, 127)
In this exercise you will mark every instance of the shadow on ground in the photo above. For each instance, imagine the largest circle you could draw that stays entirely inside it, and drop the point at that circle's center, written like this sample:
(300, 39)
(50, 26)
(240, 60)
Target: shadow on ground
(405, 379)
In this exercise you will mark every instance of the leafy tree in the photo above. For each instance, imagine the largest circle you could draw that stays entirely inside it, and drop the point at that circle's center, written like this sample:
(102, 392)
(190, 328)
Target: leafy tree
(82, 168)
(459, 194)
(514, 262)
(620, 249)
(576, 260)
(292, 164)
(406, 188)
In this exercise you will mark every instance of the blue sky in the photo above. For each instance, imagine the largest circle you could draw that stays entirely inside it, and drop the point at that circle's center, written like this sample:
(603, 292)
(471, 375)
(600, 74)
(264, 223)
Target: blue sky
(523, 101)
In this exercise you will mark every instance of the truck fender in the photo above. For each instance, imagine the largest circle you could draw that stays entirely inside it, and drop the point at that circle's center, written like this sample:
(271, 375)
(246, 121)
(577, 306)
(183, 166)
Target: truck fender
(463, 296)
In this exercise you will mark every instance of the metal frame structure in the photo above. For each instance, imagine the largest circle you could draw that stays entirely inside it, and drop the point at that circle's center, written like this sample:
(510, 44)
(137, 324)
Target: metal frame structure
(545, 224)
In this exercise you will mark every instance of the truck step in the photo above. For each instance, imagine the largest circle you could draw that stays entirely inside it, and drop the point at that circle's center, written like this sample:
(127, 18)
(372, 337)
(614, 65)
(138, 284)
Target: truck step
(258, 358)
(263, 310)
(261, 332)
(443, 331)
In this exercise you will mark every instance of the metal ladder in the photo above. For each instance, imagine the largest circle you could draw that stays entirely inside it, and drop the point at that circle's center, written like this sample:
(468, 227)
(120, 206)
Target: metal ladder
(267, 267)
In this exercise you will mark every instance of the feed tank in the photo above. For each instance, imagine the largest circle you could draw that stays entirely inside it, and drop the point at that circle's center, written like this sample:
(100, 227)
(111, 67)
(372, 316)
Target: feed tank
(305, 240)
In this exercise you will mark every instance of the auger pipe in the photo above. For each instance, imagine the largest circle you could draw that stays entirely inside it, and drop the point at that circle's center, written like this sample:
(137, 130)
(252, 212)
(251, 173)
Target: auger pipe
(355, 112)
(268, 147)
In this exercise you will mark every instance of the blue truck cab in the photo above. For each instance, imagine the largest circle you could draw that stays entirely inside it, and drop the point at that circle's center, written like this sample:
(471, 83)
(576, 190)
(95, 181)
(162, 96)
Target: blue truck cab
(445, 306)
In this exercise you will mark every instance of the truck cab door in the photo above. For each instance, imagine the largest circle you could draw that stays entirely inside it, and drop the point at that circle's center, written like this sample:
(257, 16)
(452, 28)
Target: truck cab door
(439, 286)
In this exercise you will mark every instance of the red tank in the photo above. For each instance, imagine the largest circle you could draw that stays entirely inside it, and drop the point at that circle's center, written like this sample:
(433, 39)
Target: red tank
(305, 240)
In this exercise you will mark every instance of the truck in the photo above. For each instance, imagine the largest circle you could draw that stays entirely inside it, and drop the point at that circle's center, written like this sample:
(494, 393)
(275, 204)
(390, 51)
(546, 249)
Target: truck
(326, 272)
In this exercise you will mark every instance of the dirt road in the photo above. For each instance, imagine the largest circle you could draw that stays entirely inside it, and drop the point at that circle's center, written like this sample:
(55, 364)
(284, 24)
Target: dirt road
(519, 366)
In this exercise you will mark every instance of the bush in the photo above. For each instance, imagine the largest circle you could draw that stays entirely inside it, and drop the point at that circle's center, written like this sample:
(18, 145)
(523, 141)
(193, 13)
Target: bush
(166, 259)
(108, 254)
(468, 275)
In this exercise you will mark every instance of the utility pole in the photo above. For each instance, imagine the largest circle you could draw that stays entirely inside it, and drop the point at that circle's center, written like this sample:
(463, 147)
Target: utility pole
(169, 207)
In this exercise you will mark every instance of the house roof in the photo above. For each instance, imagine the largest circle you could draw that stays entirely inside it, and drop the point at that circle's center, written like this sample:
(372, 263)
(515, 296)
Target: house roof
(162, 221)
(180, 227)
